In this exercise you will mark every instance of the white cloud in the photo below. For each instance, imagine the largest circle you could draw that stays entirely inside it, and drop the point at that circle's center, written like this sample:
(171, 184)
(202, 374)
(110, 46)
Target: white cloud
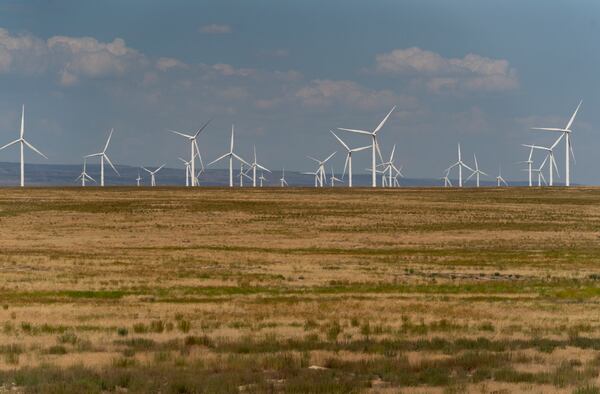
(166, 63)
(216, 29)
(323, 93)
(472, 72)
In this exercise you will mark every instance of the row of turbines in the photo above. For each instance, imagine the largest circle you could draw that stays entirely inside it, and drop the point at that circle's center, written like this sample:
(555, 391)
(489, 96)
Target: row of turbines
(387, 169)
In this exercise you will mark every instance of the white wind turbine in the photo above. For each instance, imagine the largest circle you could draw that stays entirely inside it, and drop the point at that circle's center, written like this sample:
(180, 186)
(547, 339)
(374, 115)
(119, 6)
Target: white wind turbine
(316, 174)
(388, 169)
(103, 156)
(539, 171)
(153, 174)
(320, 173)
(552, 163)
(188, 171)
(195, 151)
(529, 163)
(446, 179)
(253, 166)
(243, 175)
(460, 165)
(398, 174)
(138, 179)
(262, 178)
(348, 163)
(231, 155)
(476, 172)
(566, 132)
(282, 179)
(373, 135)
(333, 179)
(22, 141)
(499, 178)
(84, 175)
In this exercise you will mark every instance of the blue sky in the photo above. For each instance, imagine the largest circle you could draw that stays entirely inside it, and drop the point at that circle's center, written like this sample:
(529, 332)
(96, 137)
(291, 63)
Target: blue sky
(479, 73)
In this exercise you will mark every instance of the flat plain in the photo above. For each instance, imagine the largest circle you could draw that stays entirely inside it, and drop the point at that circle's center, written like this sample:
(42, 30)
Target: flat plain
(300, 290)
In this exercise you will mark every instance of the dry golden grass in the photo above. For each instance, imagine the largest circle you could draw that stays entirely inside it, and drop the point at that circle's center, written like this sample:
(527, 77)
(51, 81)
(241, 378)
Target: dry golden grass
(419, 290)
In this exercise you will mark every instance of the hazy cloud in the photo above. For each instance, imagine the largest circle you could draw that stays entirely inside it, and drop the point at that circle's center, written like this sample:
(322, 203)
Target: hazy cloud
(472, 72)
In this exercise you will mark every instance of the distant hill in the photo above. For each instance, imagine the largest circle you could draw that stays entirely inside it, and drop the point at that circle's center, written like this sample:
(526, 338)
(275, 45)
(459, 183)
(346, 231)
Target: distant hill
(65, 175)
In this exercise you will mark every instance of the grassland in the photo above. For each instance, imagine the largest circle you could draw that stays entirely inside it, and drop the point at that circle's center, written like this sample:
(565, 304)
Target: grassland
(283, 290)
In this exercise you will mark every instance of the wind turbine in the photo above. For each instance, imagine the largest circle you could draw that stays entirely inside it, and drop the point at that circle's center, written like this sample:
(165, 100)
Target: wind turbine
(529, 162)
(195, 151)
(84, 175)
(262, 178)
(282, 179)
(460, 165)
(389, 168)
(348, 163)
(333, 179)
(230, 155)
(317, 176)
(22, 141)
(152, 174)
(187, 171)
(373, 135)
(242, 175)
(138, 179)
(477, 171)
(104, 156)
(320, 173)
(539, 172)
(550, 151)
(499, 178)
(254, 166)
(446, 179)
(566, 132)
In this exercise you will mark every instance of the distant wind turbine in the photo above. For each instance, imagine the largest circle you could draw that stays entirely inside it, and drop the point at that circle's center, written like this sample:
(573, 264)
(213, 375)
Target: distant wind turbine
(253, 166)
(138, 179)
(320, 173)
(84, 175)
(460, 164)
(373, 135)
(231, 155)
(282, 179)
(566, 132)
(195, 151)
(552, 163)
(333, 179)
(22, 141)
(103, 156)
(477, 171)
(262, 178)
(349, 152)
(153, 174)
(499, 178)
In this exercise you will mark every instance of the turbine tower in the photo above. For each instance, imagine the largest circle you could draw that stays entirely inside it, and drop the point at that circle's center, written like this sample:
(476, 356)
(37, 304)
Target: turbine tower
(373, 135)
(348, 163)
(103, 156)
(195, 151)
(566, 132)
(22, 142)
(460, 165)
(153, 174)
(84, 175)
(231, 155)
(446, 179)
(529, 162)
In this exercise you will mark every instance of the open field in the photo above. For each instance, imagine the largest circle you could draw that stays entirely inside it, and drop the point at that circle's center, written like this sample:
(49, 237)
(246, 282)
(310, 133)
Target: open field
(283, 290)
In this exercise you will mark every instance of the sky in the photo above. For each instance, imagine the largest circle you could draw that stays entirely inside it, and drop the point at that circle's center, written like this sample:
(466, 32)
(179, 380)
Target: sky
(476, 72)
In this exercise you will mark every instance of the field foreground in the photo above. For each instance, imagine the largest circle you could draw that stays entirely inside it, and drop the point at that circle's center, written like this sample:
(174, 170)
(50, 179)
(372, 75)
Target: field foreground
(284, 290)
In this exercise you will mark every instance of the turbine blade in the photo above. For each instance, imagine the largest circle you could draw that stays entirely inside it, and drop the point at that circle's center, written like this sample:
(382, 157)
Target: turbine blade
(547, 129)
(328, 157)
(361, 148)
(111, 164)
(181, 134)
(108, 140)
(9, 144)
(202, 128)
(384, 120)
(199, 155)
(240, 159)
(220, 158)
(33, 148)
(356, 131)
(573, 116)
(339, 139)
(22, 121)
(345, 166)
